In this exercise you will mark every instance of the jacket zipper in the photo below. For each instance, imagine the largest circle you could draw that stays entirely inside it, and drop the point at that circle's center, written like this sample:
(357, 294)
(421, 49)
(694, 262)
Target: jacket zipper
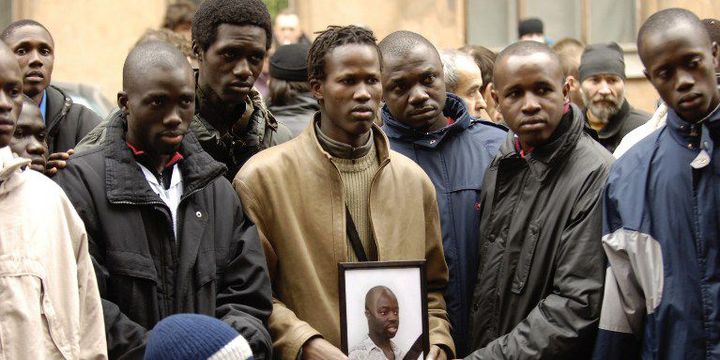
(372, 227)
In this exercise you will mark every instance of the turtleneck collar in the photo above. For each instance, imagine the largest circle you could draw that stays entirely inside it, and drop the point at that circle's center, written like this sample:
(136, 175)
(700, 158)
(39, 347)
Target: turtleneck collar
(342, 150)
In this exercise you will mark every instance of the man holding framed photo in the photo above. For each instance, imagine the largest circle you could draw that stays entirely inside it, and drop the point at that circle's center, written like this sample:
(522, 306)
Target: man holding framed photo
(337, 193)
(540, 279)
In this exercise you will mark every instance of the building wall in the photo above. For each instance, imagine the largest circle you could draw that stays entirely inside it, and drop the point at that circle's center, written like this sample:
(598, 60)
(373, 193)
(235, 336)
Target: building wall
(92, 37)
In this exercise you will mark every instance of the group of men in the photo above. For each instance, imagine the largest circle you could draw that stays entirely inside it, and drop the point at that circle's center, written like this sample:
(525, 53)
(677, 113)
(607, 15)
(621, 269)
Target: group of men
(192, 198)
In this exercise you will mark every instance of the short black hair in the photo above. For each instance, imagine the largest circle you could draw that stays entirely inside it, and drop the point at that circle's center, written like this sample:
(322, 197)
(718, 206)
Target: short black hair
(150, 54)
(213, 13)
(524, 48)
(372, 293)
(664, 20)
(713, 28)
(401, 42)
(20, 23)
(332, 37)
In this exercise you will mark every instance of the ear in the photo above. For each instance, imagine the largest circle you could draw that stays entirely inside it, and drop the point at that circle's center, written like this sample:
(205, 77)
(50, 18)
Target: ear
(197, 51)
(647, 74)
(316, 88)
(715, 54)
(367, 313)
(122, 100)
(566, 86)
(493, 94)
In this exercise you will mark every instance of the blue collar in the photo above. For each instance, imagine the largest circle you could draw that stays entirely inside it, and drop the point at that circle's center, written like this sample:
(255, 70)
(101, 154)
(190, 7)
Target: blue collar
(43, 106)
(454, 108)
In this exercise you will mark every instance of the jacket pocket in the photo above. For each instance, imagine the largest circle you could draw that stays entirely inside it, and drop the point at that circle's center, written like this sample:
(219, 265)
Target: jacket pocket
(29, 324)
(526, 258)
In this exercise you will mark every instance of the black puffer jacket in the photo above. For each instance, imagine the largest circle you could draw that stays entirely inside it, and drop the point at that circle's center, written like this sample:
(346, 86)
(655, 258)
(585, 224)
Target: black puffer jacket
(215, 267)
(542, 267)
(67, 123)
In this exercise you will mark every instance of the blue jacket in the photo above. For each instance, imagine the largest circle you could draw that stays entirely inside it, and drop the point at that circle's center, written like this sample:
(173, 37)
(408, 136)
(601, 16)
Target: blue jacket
(455, 158)
(661, 233)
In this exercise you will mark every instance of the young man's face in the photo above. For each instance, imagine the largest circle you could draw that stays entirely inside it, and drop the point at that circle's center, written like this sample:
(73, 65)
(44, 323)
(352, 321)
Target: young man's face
(681, 67)
(350, 93)
(230, 66)
(160, 106)
(603, 94)
(530, 93)
(11, 86)
(414, 88)
(35, 52)
(384, 315)
(29, 140)
(468, 88)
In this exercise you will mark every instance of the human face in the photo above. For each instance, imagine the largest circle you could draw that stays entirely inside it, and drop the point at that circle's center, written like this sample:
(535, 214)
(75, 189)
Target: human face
(350, 94)
(384, 316)
(10, 95)
(229, 67)
(468, 88)
(603, 94)
(29, 141)
(35, 52)
(681, 67)
(530, 93)
(414, 88)
(160, 105)
(287, 29)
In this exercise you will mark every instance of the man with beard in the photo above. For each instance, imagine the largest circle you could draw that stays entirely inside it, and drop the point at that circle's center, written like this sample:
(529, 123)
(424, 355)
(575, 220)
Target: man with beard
(602, 81)
(661, 229)
(167, 232)
(433, 128)
(383, 317)
(540, 278)
(337, 193)
(230, 39)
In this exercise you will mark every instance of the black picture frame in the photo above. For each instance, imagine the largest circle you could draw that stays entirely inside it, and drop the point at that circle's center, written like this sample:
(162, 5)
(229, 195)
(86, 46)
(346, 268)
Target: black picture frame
(421, 346)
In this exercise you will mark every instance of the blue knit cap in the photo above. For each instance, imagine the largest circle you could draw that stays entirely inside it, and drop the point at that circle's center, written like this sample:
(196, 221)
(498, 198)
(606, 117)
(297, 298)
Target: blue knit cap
(195, 337)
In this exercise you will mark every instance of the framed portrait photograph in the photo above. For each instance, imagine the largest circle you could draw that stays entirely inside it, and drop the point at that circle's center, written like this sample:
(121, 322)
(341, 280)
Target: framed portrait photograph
(383, 310)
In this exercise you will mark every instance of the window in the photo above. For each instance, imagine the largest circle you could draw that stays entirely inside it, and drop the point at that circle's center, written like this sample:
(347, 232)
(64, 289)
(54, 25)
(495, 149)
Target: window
(493, 23)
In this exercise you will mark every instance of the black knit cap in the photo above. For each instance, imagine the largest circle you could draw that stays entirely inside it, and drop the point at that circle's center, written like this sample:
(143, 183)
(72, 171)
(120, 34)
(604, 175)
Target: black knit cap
(602, 59)
(530, 26)
(289, 62)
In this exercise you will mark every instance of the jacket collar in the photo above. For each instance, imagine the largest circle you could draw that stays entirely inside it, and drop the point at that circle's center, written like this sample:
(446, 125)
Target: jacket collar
(545, 157)
(454, 108)
(125, 183)
(615, 122)
(10, 167)
(309, 139)
(58, 105)
(697, 137)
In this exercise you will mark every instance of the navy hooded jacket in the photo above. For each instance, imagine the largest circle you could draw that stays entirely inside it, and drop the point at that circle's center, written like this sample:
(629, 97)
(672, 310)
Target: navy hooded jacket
(455, 158)
(662, 237)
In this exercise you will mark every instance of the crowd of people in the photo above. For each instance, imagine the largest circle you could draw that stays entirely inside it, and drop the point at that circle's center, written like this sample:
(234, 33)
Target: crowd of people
(206, 216)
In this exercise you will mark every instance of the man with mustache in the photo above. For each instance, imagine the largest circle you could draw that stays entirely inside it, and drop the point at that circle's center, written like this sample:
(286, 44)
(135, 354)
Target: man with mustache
(29, 140)
(167, 232)
(67, 123)
(383, 317)
(602, 82)
(661, 229)
(540, 278)
(434, 128)
(337, 193)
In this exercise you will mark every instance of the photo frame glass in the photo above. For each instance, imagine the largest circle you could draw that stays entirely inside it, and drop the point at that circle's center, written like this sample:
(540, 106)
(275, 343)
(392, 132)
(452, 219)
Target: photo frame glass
(383, 310)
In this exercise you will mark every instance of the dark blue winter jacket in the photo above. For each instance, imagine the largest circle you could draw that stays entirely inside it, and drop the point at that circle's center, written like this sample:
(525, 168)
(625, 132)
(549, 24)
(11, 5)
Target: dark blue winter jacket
(661, 233)
(455, 158)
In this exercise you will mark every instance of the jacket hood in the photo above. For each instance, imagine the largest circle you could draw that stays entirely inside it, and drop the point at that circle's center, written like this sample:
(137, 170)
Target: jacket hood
(123, 181)
(10, 167)
(303, 103)
(454, 109)
(545, 157)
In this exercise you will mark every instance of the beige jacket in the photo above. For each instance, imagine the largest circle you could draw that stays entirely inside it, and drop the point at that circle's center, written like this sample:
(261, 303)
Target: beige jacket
(49, 302)
(294, 194)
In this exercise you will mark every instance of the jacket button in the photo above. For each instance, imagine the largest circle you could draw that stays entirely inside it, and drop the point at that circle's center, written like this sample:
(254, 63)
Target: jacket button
(491, 237)
(198, 214)
(476, 307)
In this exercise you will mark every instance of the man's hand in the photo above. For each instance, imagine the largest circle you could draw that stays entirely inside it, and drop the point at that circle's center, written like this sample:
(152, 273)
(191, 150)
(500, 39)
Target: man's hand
(436, 353)
(321, 349)
(56, 161)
